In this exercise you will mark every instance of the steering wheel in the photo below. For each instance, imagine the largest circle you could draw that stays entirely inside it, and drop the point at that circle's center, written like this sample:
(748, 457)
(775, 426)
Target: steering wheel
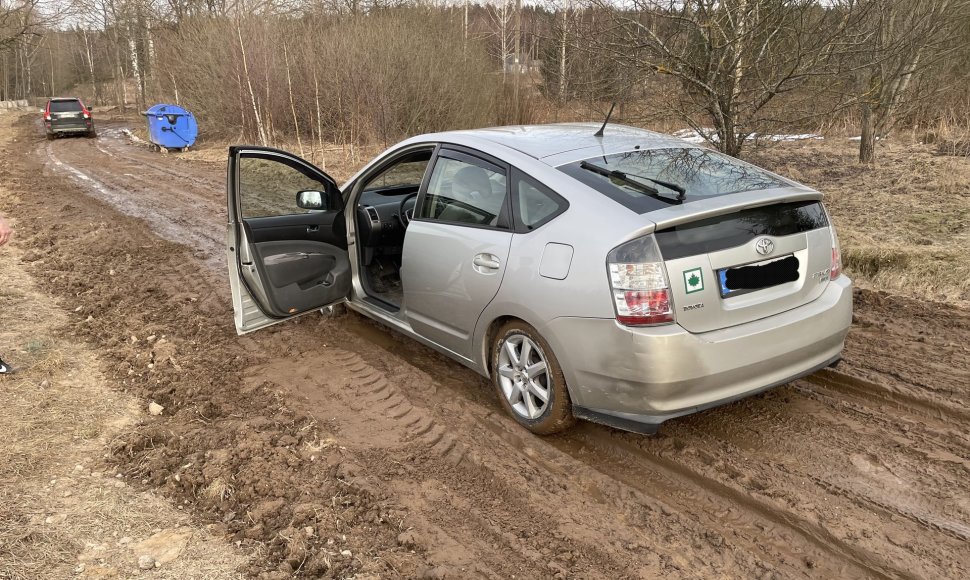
(403, 214)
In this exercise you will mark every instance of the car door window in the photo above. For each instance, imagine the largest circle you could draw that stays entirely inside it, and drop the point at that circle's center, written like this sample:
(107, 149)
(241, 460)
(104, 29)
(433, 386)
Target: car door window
(405, 173)
(464, 192)
(535, 204)
(268, 186)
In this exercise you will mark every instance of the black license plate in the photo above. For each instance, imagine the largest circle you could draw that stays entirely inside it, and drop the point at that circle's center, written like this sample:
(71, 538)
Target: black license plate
(744, 279)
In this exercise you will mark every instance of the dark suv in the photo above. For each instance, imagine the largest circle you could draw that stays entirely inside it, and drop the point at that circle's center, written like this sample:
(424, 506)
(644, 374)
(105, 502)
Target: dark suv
(68, 116)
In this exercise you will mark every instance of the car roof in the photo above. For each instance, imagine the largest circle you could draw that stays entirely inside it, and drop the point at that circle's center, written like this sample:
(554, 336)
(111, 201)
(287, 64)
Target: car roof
(557, 143)
(64, 99)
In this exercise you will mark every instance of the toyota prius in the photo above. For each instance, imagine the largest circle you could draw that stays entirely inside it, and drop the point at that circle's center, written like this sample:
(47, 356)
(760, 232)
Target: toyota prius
(623, 277)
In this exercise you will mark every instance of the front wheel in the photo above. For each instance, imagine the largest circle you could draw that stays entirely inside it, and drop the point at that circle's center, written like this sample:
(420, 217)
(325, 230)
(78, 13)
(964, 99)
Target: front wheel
(529, 380)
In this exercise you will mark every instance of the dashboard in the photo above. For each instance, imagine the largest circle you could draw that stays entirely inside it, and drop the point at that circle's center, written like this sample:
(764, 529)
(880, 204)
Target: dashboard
(378, 222)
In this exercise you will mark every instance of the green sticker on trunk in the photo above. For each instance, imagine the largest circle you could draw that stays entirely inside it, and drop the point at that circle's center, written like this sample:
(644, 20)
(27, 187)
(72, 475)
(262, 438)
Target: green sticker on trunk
(693, 280)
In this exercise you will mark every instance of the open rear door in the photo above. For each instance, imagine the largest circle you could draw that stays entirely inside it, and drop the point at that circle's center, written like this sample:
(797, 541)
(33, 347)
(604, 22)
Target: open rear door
(286, 240)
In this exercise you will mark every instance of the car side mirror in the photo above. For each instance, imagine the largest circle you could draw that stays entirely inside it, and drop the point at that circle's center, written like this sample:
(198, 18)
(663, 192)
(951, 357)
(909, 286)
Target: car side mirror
(320, 200)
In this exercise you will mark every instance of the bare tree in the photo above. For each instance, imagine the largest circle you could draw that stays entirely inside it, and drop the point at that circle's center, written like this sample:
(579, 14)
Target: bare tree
(905, 38)
(20, 19)
(731, 58)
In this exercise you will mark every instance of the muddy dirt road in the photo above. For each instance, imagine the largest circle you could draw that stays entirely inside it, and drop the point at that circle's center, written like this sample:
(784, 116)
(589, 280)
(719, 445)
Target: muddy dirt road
(339, 449)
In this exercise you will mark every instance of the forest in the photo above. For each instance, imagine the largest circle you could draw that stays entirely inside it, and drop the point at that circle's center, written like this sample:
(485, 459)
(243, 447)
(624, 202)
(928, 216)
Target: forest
(358, 72)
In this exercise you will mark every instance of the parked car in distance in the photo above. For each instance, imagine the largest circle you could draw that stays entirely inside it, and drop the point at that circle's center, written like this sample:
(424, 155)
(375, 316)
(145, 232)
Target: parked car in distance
(625, 278)
(68, 116)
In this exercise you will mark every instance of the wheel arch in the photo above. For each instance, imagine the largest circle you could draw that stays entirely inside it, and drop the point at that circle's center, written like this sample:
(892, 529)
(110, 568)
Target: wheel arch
(486, 344)
(488, 336)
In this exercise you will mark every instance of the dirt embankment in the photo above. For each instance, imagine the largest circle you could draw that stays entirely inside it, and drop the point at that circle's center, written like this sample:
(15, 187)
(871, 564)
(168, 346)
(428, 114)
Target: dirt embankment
(335, 448)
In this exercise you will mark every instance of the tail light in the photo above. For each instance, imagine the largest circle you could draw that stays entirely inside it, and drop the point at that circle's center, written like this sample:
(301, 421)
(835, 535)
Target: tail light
(84, 111)
(638, 281)
(47, 112)
(836, 269)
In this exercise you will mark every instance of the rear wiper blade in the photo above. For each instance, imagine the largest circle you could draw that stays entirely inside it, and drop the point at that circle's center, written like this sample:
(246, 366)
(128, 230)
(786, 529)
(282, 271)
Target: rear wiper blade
(632, 180)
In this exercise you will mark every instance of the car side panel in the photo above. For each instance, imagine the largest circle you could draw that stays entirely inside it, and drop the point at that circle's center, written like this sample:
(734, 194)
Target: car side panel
(591, 227)
(444, 290)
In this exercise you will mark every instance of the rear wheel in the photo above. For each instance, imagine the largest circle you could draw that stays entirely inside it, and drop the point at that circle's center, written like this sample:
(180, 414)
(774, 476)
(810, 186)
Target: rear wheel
(92, 133)
(529, 380)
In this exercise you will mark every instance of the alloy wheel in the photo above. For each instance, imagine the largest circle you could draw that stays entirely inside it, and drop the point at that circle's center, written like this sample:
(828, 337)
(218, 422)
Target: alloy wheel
(524, 376)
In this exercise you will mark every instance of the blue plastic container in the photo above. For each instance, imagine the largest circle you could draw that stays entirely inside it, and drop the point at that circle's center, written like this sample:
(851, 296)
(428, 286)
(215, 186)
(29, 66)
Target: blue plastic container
(171, 127)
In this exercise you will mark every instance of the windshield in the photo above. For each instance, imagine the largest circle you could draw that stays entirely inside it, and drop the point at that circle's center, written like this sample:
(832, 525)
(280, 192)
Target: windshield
(699, 172)
(65, 107)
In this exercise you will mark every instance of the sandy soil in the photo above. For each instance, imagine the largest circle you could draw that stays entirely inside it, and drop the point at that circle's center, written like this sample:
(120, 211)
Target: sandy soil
(335, 448)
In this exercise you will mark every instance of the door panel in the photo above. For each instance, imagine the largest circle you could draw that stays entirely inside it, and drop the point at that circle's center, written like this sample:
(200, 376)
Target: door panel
(302, 275)
(284, 260)
(450, 273)
(456, 248)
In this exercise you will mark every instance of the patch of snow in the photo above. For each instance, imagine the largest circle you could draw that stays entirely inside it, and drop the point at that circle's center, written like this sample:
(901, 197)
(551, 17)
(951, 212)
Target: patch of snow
(134, 138)
(800, 137)
(697, 136)
(705, 134)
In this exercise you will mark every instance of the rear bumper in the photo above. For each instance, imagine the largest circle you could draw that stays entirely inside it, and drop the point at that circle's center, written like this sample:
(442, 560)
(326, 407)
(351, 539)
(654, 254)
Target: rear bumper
(636, 378)
(69, 128)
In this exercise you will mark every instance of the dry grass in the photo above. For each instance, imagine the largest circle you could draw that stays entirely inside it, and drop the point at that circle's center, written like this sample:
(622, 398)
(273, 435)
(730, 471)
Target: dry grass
(904, 225)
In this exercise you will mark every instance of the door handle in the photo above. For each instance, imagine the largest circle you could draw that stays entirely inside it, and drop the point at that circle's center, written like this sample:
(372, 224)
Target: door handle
(312, 229)
(486, 261)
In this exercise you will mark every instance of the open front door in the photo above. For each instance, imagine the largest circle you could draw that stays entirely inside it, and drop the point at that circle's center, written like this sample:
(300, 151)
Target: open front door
(286, 240)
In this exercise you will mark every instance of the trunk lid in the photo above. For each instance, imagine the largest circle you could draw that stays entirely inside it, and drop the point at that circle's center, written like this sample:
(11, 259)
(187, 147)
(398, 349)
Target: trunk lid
(745, 260)
(68, 113)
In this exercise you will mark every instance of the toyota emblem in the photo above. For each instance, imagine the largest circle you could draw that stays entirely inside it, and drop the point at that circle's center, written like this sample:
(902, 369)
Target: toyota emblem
(764, 246)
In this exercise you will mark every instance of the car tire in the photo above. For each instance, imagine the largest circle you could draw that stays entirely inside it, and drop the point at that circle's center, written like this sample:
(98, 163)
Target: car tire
(520, 393)
(51, 136)
(92, 133)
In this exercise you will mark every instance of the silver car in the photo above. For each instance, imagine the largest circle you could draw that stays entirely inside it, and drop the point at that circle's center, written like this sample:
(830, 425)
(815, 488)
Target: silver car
(626, 278)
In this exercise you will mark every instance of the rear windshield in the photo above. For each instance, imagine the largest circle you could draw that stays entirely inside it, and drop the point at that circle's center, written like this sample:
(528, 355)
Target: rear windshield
(702, 174)
(734, 229)
(65, 106)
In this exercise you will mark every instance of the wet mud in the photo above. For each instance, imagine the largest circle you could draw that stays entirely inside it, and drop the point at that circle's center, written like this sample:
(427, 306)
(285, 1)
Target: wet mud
(343, 449)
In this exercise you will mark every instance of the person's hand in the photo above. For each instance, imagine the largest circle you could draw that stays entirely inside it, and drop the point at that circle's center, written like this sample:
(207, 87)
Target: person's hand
(5, 232)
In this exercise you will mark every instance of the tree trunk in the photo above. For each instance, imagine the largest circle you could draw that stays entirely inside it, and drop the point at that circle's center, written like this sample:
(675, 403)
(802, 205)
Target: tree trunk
(562, 56)
(89, 60)
(867, 142)
(249, 83)
(289, 90)
(316, 95)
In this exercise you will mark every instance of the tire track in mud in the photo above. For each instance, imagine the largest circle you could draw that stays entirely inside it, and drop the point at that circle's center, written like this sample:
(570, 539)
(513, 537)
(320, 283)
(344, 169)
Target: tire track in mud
(857, 388)
(176, 212)
(922, 429)
(812, 539)
(793, 540)
(849, 477)
(411, 435)
(120, 145)
(790, 534)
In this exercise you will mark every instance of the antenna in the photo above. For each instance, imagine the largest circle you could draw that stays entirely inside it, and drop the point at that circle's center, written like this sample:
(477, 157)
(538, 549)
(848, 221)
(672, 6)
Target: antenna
(607, 120)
